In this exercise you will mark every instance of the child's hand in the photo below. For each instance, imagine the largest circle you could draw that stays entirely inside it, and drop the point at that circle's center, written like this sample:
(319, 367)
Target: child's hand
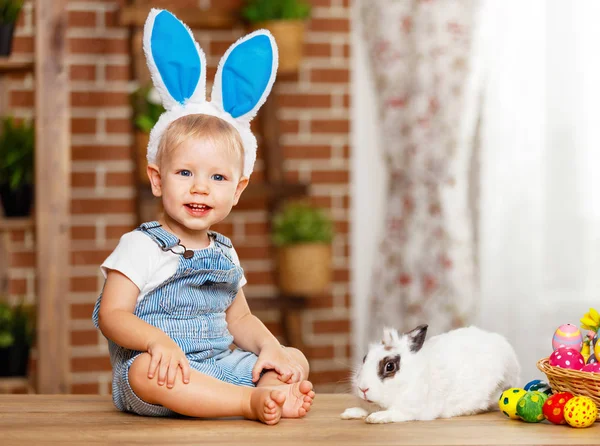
(167, 356)
(277, 358)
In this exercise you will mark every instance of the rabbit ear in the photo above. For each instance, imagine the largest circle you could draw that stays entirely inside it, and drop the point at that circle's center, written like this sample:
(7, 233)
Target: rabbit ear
(245, 75)
(390, 337)
(177, 63)
(416, 338)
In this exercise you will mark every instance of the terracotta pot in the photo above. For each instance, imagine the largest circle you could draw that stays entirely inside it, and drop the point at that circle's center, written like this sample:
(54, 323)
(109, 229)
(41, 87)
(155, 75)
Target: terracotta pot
(304, 269)
(289, 35)
(141, 148)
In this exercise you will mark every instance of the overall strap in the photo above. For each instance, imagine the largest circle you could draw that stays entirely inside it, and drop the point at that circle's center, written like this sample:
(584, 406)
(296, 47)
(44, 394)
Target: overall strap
(163, 239)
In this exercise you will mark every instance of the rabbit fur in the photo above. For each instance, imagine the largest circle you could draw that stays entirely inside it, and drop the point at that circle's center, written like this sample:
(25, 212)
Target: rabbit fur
(460, 372)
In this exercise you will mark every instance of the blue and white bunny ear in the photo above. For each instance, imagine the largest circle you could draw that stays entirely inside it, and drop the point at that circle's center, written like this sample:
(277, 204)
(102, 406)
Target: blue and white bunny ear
(245, 75)
(177, 63)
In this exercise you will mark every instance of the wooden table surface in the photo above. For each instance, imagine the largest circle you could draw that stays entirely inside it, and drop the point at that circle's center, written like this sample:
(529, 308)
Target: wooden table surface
(90, 419)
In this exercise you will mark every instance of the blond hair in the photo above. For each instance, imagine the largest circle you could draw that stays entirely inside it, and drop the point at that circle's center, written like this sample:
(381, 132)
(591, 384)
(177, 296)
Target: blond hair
(204, 127)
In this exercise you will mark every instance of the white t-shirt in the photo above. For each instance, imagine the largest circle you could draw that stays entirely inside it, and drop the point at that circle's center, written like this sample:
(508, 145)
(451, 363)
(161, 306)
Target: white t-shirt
(139, 258)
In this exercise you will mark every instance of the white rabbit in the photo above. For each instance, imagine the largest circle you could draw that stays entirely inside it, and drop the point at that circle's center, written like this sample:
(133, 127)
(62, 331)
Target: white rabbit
(461, 372)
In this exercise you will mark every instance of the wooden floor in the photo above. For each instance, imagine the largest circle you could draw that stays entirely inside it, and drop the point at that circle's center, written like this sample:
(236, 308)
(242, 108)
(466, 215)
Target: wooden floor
(89, 419)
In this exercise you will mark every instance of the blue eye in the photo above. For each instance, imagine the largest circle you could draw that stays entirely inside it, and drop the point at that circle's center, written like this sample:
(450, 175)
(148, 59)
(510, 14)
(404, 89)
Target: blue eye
(185, 173)
(218, 177)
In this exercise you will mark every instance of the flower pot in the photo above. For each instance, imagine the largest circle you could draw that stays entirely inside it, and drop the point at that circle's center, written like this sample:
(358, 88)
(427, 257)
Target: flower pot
(7, 31)
(14, 360)
(304, 269)
(289, 35)
(16, 202)
(141, 149)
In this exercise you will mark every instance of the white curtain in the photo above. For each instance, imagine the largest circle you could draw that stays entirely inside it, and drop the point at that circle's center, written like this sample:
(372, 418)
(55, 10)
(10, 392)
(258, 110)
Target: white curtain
(539, 227)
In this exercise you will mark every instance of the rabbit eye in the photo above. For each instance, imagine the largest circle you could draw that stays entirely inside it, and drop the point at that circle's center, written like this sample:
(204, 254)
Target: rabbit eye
(390, 367)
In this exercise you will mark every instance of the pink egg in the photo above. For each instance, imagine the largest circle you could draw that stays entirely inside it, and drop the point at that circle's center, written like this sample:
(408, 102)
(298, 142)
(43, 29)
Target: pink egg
(566, 358)
(592, 368)
(567, 335)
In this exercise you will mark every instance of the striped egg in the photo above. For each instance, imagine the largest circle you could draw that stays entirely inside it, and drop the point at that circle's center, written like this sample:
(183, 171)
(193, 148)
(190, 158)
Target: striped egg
(567, 335)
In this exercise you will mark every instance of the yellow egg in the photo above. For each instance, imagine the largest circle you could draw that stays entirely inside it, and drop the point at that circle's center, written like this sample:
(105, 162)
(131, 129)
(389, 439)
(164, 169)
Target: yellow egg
(508, 402)
(581, 411)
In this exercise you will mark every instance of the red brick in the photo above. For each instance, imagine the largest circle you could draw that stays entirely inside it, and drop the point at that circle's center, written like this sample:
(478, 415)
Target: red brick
(82, 72)
(17, 287)
(330, 126)
(329, 376)
(85, 389)
(81, 311)
(330, 25)
(253, 229)
(307, 152)
(292, 126)
(84, 337)
(115, 232)
(21, 98)
(81, 19)
(87, 364)
(320, 302)
(337, 75)
(83, 232)
(117, 73)
(102, 206)
(97, 99)
(83, 284)
(320, 352)
(305, 100)
(88, 257)
(317, 50)
(260, 277)
(81, 126)
(98, 45)
(23, 45)
(341, 275)
(100, 153)
(120, 125)
(330, 176)
(119, 179)
(17, 235)
(252, 252)
(339, 326)
(22, 259)
(83, 179)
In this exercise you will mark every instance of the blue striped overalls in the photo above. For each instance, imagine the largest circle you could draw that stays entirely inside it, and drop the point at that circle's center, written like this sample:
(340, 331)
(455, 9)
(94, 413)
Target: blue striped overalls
(190, 308)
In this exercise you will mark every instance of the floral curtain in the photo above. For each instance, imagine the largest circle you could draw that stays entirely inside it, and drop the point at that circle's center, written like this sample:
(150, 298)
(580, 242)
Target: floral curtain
(425, 269)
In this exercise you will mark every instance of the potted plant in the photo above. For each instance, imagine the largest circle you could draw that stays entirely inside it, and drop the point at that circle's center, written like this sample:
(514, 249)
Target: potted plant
(147, 108)
(9, 13)
(17, 142)
(286, 20)
(303, 235)
(17, 334)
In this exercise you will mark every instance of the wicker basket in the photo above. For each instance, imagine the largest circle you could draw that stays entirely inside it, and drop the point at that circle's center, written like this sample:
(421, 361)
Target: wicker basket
(574, 381)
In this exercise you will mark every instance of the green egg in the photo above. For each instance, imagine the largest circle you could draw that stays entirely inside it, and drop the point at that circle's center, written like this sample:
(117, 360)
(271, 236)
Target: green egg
(529, 407)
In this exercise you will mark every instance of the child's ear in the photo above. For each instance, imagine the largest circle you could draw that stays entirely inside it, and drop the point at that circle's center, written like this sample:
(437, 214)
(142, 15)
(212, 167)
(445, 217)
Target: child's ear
(154, 174)
(239, 189)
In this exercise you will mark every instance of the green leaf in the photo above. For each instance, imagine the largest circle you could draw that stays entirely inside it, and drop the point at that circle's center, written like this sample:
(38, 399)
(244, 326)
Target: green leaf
(262, 10)
(10, 10)
(17, 143)
(301, 223)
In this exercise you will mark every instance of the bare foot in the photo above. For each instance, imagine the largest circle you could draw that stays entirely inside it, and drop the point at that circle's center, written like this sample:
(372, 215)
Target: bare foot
(299, 398)
(266, 405)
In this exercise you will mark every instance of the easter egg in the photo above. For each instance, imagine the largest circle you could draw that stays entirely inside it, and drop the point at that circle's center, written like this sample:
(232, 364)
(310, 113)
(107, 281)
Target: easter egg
(508, 402)
(592, 359)
(596, 347)
(554, 407)
(580, 411)
(591, 368)
(539, 385)
(566, 358)
(567, 335)
(530, 406)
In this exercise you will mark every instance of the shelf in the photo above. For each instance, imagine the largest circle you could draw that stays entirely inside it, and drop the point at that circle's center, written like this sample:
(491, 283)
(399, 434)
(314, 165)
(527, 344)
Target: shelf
(195, 18)
(12, 223)
(12, 383)
(9, 65)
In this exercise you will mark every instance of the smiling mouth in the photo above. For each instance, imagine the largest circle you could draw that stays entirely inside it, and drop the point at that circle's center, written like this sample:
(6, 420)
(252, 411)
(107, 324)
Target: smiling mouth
(198, 208)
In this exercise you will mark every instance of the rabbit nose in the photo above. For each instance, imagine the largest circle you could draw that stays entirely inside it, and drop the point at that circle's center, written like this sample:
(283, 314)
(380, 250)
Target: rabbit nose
(363, 390)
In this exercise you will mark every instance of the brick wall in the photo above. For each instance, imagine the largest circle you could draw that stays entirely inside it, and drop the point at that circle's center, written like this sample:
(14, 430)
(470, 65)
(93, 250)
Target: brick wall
(314, 115)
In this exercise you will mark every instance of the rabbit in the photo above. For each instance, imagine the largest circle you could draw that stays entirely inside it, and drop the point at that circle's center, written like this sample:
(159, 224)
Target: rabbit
(461, 372)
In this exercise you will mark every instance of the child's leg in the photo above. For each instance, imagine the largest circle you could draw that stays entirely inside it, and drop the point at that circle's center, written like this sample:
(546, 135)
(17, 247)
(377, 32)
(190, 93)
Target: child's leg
(299, 396)
(205, 396)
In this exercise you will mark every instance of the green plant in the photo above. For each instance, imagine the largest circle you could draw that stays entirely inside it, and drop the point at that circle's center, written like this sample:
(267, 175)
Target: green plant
(147, 107)
(262, 10)
(301, 223)
(17, 324)
(9, 10)
(17, 142)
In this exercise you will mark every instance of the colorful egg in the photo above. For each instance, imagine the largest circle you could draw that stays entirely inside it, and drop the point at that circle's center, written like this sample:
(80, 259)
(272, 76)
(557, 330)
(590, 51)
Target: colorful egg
(580, 411)
(554, 407)
(530, 406)
(539, 385)
(508, 402)
(567, 335)
(566, 358)
(591, 368)
(596, 346)
(592, 359)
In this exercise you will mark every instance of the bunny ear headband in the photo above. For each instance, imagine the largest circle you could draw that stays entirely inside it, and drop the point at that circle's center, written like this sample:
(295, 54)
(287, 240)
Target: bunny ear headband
(177, 65)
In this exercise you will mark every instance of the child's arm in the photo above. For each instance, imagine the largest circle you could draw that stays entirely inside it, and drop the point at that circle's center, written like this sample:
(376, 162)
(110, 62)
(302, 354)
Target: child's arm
(250, 334)
(118, 323)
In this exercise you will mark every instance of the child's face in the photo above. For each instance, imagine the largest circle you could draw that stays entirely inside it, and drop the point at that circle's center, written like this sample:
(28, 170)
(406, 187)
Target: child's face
(199, 183)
